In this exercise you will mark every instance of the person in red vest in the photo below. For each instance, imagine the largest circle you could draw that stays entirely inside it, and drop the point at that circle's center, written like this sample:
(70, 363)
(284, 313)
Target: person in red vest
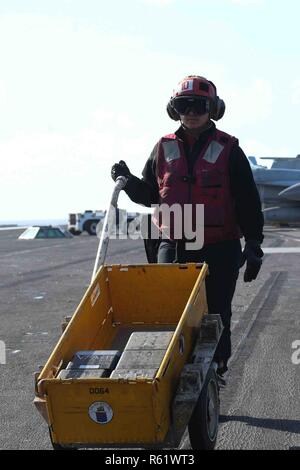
(199, 164)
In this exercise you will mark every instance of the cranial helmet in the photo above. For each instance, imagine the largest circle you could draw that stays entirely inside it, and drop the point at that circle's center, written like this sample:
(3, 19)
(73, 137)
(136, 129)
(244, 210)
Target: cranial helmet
(196, 86)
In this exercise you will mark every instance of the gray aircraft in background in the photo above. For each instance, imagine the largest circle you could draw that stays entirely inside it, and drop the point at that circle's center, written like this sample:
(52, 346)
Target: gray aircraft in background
(279, 189)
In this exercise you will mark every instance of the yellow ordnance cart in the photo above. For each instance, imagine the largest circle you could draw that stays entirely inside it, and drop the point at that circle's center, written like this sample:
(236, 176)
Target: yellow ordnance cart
(138, 411)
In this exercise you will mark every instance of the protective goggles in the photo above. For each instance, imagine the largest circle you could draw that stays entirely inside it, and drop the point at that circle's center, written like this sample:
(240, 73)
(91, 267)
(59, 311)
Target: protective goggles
(184, 104)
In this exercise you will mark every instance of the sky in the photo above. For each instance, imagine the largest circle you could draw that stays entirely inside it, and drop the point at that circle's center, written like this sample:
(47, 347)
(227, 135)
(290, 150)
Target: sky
(84, 84)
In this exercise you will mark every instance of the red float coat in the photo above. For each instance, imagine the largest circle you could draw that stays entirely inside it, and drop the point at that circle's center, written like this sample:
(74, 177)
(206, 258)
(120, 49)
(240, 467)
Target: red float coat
(208, 185)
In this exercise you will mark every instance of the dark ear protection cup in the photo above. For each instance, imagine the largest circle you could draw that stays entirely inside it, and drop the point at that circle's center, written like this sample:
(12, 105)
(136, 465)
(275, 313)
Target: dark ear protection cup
(218, 109)
(171, 111)
(217, 106)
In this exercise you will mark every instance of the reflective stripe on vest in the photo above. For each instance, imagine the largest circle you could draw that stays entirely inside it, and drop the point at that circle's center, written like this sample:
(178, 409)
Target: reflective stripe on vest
(171, 150)
(213, 152)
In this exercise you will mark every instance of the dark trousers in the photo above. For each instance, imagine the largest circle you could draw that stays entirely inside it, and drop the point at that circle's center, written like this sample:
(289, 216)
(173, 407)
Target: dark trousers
(223, 261)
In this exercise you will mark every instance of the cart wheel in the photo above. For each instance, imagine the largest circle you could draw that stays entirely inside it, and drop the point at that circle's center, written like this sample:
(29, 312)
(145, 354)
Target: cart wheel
(203, 425)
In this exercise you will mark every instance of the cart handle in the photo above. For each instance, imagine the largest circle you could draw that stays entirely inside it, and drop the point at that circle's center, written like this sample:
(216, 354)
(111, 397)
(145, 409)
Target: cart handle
(104, 239)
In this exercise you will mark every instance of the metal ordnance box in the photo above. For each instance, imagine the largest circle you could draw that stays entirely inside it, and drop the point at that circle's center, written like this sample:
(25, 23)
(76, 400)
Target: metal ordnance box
(133, 374)
(141, 359)
(143, 354)
(149, 340)
(94, 360)
(66, 374)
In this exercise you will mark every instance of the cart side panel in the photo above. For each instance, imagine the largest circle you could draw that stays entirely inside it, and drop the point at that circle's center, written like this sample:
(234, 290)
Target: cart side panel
(90, 325)
(178, 355)
(151, 293)
(71, 408)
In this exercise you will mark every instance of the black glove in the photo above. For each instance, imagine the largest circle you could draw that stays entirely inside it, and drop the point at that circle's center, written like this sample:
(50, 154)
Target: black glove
(253, 254)
(120, 169)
